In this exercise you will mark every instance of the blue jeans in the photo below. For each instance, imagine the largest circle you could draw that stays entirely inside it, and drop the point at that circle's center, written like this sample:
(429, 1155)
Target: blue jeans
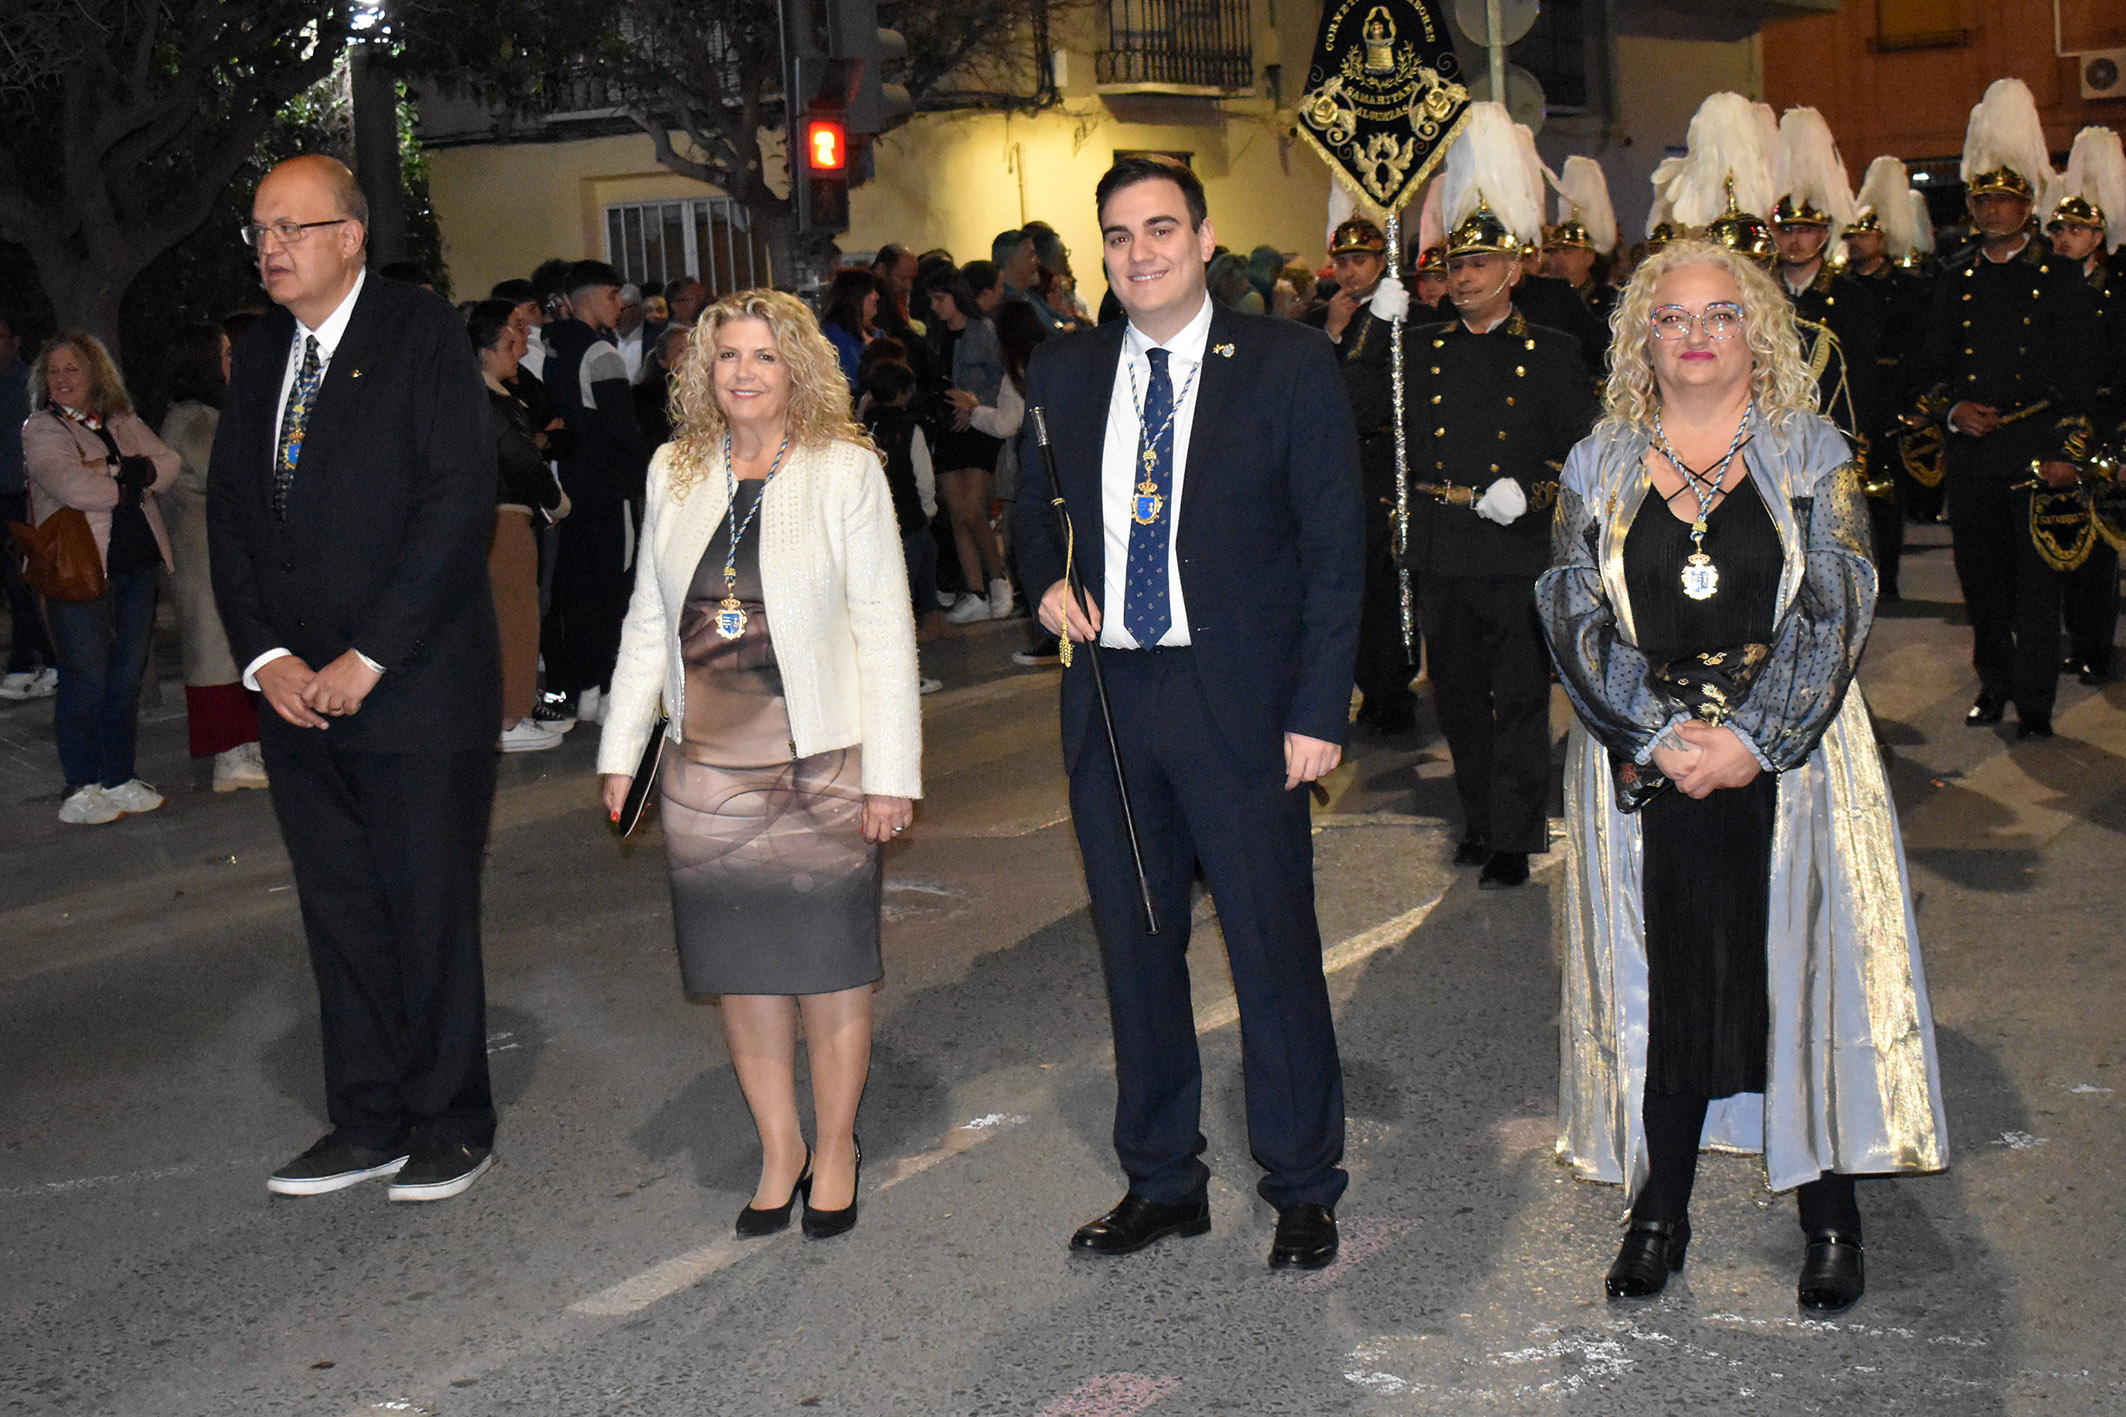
(103, 650)
(921, 549)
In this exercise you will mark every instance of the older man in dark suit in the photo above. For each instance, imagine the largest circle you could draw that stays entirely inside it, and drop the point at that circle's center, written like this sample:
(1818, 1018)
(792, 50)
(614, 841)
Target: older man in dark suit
(352, 500)
(1210, 466)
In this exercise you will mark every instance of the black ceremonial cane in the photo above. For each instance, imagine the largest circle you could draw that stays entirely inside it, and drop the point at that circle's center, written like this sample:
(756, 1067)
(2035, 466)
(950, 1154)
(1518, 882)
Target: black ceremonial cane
(1092, 650)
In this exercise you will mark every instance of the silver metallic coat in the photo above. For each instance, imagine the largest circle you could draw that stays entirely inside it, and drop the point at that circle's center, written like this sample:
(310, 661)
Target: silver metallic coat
(1852, 1083)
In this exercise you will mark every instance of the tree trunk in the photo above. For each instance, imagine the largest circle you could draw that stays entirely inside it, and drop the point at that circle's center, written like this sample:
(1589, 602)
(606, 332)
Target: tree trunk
(376, 155)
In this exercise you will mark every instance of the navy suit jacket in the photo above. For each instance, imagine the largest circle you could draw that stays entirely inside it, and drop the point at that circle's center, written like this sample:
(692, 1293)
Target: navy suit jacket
(384, 546)
(1270, 535)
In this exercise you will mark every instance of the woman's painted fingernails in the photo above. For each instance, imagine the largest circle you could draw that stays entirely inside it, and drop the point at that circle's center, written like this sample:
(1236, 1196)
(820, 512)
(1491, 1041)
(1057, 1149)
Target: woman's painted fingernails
(616, 814)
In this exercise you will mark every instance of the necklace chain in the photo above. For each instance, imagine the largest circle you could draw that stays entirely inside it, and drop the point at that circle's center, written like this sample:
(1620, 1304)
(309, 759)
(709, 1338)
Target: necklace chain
(730, 472)
(1709, 488)
(1137, 398)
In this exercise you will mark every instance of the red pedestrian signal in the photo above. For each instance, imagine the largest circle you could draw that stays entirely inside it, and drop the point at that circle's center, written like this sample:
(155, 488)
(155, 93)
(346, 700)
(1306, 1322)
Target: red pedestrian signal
(826, 145)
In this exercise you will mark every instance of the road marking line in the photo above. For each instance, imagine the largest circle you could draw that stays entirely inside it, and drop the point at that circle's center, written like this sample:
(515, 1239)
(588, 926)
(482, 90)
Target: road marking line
(1216, 1015)
(659, 1281)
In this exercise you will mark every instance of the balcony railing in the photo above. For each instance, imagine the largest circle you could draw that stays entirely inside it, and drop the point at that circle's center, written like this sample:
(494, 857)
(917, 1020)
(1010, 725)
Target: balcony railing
(1188, 45)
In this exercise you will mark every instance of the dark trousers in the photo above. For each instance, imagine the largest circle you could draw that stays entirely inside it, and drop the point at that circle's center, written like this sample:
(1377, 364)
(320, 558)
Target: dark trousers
(920, 549)
(1673, 1124)
(102, 647)
(386, 849)
(1384, 669)
(1886, 518)
(580, 636)
(1491, 687)
(2092, 607)
(2011, 595)
(1196, 802)
(28, 647)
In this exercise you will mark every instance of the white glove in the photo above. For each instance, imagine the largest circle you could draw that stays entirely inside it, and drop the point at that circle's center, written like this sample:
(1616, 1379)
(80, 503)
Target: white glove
(1502, 502)
(1390, 301)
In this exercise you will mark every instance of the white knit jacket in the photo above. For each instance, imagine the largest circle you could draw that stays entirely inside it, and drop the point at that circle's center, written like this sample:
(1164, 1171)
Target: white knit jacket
(836, 590)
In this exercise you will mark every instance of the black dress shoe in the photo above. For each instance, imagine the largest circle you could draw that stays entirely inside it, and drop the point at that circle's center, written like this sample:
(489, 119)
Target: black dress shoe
(754, 1223)
(1138, 1222)
(1833, 1275)
(1392, 722)
(1651, 1252)
(1306, 1237)
(1504, 871)
(1473, 851)
(825, 1224)
(2034, 725)
(1986, 710)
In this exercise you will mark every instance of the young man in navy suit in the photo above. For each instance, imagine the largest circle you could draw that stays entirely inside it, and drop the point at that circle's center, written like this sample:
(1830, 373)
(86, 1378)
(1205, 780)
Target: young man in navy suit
(348, 520)
(1210, 468)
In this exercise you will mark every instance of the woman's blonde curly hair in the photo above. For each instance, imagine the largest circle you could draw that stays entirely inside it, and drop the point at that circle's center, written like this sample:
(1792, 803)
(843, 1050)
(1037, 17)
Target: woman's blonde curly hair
(819, 395)
(1780, 383)
(107, 395)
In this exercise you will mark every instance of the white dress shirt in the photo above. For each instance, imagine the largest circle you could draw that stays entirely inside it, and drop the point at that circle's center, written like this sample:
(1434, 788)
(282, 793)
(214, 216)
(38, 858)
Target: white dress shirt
(1119, 469)
(328, 335)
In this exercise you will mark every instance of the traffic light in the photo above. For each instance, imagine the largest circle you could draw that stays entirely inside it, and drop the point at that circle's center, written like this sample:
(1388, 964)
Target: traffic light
(819, 152)
(853, 33)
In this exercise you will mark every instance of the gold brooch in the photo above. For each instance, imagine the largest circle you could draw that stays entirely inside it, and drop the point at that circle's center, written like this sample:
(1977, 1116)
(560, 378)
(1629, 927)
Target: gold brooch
(1223, 351)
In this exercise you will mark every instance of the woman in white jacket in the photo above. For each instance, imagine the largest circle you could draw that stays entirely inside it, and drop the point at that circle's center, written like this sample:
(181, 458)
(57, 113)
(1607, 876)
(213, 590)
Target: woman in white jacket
(771, 612)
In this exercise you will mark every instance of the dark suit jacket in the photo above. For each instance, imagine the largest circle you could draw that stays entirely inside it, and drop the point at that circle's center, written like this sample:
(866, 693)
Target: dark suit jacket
(1270, 535)
(384, 548)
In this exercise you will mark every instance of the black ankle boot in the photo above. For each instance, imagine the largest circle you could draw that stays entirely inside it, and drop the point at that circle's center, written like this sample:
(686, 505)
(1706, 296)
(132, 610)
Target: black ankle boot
(1652, 1250)
(1833, 1275)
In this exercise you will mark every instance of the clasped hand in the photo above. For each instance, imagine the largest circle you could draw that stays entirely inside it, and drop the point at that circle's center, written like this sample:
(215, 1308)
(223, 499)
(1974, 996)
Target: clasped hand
(301, 696)
(1712, 757)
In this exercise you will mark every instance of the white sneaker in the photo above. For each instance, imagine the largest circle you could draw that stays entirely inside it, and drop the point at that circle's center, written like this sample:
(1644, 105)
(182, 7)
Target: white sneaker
(19, 685)
(47, 683)
(528, 735)
(928, 685)
(238, 768)
(1000, 601)
(89, 806)
(133, 796)
(968, 610)
(592, 707)
(947, 599)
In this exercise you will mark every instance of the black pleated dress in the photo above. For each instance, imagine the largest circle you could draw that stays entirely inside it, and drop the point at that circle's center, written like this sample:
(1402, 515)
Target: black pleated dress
(1706, 872)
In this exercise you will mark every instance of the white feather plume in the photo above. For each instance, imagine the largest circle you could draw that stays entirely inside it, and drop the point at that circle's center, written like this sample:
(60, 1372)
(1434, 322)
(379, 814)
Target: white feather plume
(1922, 223)
(1583, 196)
(2004, 131)
(1491, 165)
(2096, 172)
(1807, 169)
(1886, 191)
(1727, 142)
(1664, 205)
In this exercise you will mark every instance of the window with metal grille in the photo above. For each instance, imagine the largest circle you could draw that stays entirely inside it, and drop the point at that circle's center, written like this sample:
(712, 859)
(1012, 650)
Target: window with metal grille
(711, 238)
(1189, 44)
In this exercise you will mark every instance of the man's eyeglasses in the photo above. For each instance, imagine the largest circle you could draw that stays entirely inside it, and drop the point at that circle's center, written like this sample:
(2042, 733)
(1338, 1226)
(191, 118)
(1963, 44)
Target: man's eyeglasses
(288, 233)
(1720, 321)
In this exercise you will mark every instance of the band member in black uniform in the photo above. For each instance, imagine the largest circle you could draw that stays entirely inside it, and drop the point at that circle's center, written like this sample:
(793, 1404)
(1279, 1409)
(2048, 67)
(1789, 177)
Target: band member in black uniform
(1814, 194)
(1886, 229)
(2092, 194)
(1578, 248)
(2006, 370)
(1494, 403)
(1360, 321)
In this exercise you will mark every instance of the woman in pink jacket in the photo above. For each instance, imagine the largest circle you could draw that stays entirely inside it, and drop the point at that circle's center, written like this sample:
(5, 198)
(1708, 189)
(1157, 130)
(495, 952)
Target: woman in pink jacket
(84, 447)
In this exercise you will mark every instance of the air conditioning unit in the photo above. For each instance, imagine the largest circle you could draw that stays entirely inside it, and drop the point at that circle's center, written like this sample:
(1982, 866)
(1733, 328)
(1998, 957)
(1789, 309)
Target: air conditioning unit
(2103, 73)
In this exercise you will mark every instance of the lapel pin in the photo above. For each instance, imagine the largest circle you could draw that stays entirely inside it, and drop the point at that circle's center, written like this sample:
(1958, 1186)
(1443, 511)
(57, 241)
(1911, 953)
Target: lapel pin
(1223, 351)
(354, 373)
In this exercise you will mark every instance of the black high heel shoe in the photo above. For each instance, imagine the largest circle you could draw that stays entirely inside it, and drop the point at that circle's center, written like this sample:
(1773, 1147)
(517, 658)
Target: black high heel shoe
(824, 1224)
(1833, 1275)
(754, 1223)
(1652, 1250)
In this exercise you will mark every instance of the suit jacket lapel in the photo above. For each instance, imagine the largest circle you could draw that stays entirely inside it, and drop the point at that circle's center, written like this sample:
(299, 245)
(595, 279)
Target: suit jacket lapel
(1216, 386)
(1081, 447)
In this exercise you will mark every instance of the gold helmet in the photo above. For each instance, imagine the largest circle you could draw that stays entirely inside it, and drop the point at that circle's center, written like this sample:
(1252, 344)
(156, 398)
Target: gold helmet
(2004, 144)
(1866, 222)
(1482, 232)
(1358, 235)
(1491, 187)
(1567, 233)
(2092, 191)
(2075, 211)
(1724, 183)
(1744, 233)
(1788, 213)
(1432, 261)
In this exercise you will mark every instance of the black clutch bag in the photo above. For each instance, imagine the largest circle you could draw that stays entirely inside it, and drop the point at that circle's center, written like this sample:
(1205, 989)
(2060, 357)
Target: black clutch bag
(642, 787)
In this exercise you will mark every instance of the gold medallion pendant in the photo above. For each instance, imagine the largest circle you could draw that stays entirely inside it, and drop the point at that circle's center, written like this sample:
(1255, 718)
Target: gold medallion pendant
(730, 618)
(1146, 506)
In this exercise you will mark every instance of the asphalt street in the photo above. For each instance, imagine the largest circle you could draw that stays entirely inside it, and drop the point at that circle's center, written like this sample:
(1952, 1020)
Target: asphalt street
(159, 1055)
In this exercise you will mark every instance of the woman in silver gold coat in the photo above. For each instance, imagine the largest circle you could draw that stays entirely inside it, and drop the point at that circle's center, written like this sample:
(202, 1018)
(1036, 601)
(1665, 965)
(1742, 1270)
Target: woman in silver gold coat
(1741, 966)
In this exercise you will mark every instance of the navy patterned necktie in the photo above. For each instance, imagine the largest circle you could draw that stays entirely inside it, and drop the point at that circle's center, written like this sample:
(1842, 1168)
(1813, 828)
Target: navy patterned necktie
(289, 451)
(1147, 605)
